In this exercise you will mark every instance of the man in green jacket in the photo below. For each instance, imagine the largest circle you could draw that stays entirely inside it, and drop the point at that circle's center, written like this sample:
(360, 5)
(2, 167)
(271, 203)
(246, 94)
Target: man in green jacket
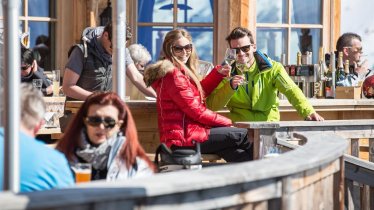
(257, 99)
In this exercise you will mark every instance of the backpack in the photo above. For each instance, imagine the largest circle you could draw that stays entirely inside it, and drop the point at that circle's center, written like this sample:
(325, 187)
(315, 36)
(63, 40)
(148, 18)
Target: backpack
(87, 35)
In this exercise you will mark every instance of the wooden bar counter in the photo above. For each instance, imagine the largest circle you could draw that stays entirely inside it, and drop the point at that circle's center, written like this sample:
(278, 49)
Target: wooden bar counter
(145, 114)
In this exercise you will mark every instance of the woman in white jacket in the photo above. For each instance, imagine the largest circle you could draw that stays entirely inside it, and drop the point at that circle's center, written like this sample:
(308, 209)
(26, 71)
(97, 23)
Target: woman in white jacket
(103, 133)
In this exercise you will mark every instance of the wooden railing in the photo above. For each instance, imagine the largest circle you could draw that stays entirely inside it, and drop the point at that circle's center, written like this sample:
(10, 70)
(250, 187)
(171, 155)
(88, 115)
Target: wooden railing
(359, 174)
(309, 177)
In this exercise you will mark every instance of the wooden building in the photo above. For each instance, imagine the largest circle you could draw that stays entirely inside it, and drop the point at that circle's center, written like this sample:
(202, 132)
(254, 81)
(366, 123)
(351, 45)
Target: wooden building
(280, 27)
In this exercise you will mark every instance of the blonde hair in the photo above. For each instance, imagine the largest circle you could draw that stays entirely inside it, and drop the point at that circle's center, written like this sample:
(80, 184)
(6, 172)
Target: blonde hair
(32, 105)
(192, 62)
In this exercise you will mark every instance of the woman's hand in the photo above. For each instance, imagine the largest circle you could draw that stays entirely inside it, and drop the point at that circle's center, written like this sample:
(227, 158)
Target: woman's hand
(224, 70)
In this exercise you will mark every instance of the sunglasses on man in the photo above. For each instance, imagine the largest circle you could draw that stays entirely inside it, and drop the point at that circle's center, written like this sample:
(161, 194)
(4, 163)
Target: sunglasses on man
(244, 49)
(96, 121)
(25, 67)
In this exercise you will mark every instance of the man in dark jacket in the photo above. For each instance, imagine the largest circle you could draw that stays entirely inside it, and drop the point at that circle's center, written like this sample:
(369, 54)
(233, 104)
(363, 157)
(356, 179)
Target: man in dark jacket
(30, 71)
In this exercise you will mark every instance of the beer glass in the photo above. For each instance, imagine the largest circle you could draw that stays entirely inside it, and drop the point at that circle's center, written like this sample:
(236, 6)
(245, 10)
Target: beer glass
(82, 172)
(56, 82)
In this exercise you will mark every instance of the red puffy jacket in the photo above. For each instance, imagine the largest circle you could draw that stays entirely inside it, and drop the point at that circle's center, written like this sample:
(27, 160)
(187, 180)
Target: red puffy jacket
(182, 114)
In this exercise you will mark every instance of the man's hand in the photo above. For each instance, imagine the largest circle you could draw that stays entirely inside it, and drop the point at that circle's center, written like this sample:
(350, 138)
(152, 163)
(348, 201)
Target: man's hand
(362, 69)
(314, 117)
(236, 80)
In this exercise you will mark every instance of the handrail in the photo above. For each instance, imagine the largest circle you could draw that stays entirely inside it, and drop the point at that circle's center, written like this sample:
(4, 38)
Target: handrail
(270, 181)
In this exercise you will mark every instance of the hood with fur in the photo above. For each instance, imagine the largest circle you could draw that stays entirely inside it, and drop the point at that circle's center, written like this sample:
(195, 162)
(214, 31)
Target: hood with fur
(157, 70)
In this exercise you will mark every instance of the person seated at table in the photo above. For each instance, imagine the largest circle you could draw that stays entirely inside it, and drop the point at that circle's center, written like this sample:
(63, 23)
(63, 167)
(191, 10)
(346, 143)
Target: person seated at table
(182, 116)
(252, 92)
(141, 58)
(41, 167)
(103, 133)
(30, 70)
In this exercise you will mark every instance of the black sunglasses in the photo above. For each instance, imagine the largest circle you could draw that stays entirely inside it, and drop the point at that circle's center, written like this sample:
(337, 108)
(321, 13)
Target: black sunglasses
(96, 121)
(244, 49)
(24, 68)
(178, 49)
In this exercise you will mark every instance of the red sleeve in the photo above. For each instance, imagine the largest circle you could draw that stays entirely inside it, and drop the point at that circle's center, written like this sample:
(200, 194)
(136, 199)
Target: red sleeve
(183, 96)
(210, 82)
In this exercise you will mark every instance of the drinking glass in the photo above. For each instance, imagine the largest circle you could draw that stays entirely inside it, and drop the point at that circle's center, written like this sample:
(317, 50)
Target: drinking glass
(37, 83)
(82, 172)
(241, 67)
(56, 82)
(230, 56)
(204, 67)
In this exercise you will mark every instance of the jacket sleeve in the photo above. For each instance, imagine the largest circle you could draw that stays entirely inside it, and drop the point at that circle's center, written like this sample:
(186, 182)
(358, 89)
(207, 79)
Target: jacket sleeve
(293, 93)
(180, 88)
(211, 81)
(218, 99)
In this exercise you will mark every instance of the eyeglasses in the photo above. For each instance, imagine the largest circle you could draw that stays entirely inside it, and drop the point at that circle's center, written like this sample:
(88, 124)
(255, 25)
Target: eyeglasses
(24, 68)
(244, 49)
(179, 49)
(96, 121)
(358, 49)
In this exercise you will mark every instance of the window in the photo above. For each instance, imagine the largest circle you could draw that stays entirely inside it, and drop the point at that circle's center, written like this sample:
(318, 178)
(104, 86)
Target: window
(288, 27)
(157, 17)
(38, 18)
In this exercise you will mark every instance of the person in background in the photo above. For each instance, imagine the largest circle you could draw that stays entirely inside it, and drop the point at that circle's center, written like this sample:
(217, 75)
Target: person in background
(257, 100)
(41, 167)
(84, 75)
(182, 115)
(140, 56)
(103, 133)
(351, 46)
(42, 52)
(30, 70)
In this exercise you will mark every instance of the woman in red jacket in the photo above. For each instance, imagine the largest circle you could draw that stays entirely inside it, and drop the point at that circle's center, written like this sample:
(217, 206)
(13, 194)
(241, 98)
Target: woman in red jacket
(182, 115)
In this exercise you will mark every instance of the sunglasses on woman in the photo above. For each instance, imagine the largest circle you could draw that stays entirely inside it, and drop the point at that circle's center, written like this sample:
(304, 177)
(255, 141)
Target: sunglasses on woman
(96, 121)
(179, 49)
(244, 49)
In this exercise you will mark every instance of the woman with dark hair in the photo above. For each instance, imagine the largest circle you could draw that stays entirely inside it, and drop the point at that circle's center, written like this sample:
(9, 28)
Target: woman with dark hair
(95, 136)
(182, 115)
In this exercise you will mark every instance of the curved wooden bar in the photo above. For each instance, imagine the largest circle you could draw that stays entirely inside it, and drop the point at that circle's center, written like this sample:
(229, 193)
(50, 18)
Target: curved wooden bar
(145, 114)
(308, 176)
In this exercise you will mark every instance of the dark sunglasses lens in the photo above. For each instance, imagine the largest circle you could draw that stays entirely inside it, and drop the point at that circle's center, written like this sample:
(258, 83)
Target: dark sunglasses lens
(244, 49)
(179, 49)
(96, 121)
(24, 68)
(109, 122)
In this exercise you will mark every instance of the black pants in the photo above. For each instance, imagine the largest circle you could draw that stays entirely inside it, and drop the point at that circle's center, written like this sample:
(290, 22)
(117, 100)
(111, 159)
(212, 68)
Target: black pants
(229, 143)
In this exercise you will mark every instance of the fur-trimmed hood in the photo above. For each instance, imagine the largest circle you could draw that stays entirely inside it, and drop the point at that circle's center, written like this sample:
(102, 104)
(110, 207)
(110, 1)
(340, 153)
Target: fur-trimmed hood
(157, 70)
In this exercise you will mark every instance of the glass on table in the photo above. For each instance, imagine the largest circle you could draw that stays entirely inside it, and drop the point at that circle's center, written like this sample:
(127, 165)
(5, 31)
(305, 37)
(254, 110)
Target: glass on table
(56, 82)
(37, 83)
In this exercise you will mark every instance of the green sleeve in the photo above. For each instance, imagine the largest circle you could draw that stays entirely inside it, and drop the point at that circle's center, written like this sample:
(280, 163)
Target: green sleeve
(218, 99)
(293, 93)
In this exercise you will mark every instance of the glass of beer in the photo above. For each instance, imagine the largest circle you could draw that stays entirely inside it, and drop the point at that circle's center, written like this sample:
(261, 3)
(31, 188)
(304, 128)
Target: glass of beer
(82, 172)
(56, 82)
